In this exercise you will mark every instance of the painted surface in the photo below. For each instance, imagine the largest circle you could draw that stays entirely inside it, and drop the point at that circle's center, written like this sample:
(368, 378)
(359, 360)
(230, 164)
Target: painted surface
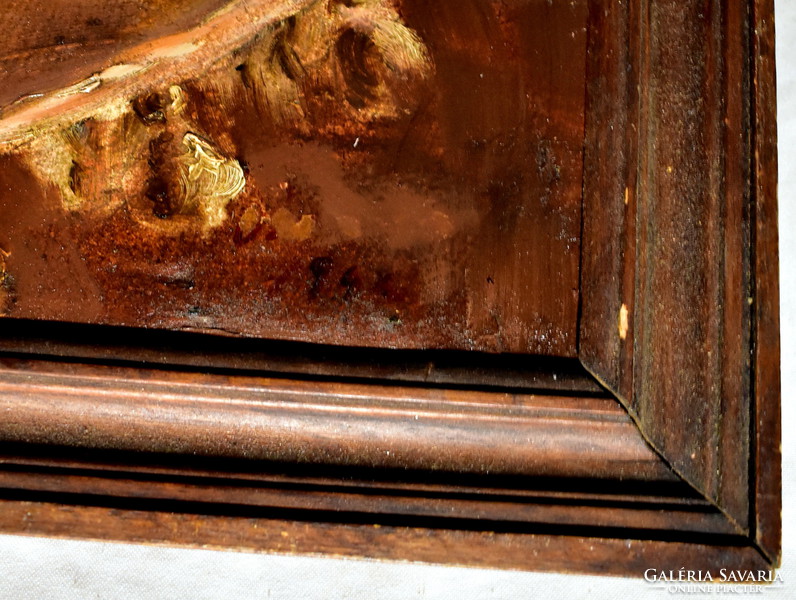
(378, 173)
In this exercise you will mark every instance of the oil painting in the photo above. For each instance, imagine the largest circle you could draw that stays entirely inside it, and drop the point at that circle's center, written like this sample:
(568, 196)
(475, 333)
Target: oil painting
(385, 173)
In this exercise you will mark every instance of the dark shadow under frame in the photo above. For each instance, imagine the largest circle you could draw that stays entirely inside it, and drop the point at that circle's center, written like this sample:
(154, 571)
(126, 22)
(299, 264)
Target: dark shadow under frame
(338, 453)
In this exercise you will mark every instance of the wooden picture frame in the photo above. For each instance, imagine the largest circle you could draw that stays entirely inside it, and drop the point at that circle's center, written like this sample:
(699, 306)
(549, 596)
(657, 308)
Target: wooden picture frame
(658, 446)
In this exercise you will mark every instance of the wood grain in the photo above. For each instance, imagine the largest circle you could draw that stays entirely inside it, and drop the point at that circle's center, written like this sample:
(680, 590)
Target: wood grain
(323, 423)
(681, 261)
(465, 450)
(767, 457)
(207, 352)
(358, 451)
(382, 174)
(610, 189)
(550, 552)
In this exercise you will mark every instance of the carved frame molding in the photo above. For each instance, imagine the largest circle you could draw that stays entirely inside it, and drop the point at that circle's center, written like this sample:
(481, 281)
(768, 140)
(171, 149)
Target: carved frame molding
(294, 449)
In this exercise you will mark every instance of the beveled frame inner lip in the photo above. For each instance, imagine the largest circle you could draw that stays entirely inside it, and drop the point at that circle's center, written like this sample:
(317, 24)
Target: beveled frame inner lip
(212, 352)
(762, 488)
(468, 458)
(415, 371)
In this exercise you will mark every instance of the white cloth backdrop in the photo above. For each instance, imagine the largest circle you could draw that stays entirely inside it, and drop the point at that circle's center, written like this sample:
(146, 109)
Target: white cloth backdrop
(39, 568)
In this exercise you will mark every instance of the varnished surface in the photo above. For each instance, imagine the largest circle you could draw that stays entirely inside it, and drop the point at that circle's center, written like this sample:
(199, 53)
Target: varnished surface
(578, 554)
(391, 460)
(427, 196)
(350, 451)
(668, 315)
(610, 193)
(695, 215)
(211, 353)
(658, 510)
(767, 417)
(321, 423)
(54, 43)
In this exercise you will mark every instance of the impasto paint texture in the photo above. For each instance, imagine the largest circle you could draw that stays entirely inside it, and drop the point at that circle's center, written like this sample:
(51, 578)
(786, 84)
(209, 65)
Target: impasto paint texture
(390, 173)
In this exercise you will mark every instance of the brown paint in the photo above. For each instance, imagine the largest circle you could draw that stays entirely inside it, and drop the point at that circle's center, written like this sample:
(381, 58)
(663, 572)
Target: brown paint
(50, 277)
(453, 195)
(511, 477)
(57, 42)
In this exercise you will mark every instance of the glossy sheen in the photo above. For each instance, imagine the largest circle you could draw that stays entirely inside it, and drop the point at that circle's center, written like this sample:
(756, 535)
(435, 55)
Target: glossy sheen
(679, 207)
(392, 174)
(505, 460)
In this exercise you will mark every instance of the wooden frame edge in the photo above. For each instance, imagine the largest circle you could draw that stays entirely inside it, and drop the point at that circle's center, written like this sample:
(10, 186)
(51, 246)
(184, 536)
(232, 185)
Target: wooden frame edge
(734, 460)
(766, 358)
(158, 413)
(345, 424)
(46, 419)
(549, 552)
